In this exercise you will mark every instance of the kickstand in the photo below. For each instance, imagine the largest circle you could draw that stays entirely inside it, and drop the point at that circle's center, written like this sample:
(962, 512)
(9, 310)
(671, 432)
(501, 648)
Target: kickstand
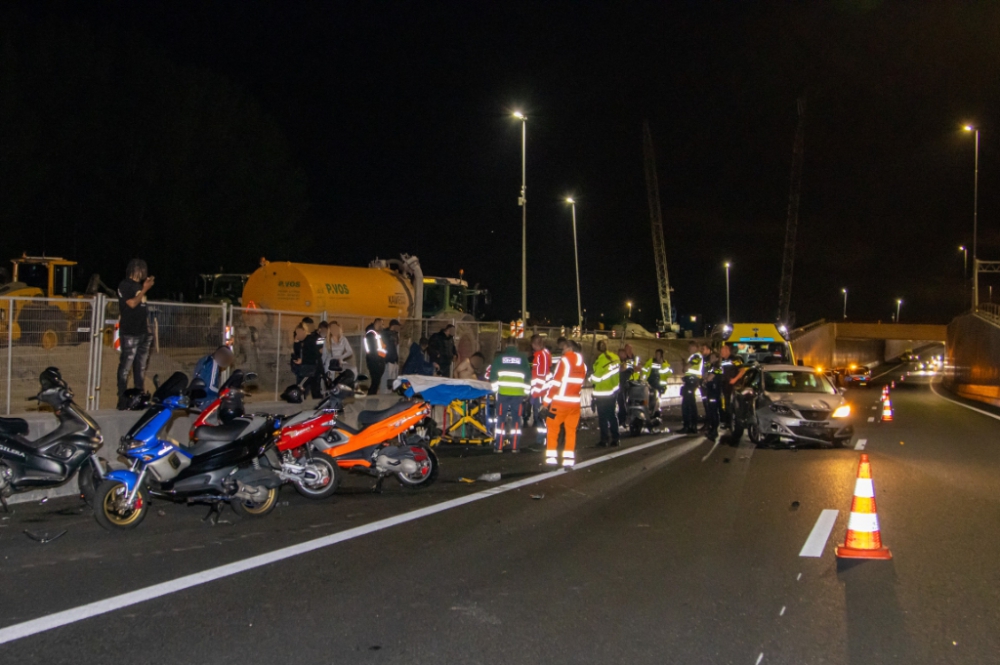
(377, 488)
(214, 513)
(3, 500)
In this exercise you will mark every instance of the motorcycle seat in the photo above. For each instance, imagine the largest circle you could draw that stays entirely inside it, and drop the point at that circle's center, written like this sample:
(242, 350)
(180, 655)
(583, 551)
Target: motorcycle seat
(14, 426)
(366, 418)
(219, 433)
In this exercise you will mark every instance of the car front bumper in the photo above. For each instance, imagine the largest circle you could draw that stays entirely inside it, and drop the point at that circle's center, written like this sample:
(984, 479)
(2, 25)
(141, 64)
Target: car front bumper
(787, 428)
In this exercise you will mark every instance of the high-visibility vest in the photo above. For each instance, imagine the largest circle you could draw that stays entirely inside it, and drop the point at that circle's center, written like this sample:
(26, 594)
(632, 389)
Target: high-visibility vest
(509, 373)
(630, 367)
(605, 377)
(540, 370)
(694, 365)
(567, 382)
(374, 344)
(661, 369)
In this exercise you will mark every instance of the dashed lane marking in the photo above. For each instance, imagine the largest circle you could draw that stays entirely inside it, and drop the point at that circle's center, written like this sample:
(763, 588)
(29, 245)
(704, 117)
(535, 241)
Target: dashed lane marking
(66, 617)
(816, 542)
(782, 612)
(759, 658)
(970, 408)
(871, 419)
(860, 445)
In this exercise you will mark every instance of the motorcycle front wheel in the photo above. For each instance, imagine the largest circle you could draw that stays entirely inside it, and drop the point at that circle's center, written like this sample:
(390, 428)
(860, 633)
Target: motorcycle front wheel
(329, 478)
(111, 509)
(247, 508)
(427, 471)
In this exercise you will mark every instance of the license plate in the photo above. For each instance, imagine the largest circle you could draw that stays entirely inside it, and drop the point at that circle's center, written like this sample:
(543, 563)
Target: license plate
(810, 423)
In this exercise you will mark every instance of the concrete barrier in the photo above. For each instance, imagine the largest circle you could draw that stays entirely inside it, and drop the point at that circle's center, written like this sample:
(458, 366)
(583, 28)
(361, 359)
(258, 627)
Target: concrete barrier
(973, 354)
(115, 424)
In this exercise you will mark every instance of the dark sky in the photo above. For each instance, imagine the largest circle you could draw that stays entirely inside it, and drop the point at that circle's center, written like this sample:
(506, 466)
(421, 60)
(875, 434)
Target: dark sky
(399, 116)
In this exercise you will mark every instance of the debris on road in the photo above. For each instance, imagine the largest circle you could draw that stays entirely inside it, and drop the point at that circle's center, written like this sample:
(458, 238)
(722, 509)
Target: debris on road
(44, 538)
(490, 477)
(537, 497)
(463, 479)
(795, 505)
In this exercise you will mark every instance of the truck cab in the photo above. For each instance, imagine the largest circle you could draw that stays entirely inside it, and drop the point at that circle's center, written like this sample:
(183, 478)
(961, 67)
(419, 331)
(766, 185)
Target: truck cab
(41, 277)
(222, 288)
(447, 296)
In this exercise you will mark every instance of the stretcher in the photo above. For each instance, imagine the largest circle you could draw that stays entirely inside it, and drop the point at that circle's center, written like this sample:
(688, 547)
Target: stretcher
(468, 407)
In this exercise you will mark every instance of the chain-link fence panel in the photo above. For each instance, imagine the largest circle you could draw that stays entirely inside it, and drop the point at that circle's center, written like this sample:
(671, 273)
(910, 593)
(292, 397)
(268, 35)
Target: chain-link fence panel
(40, 333)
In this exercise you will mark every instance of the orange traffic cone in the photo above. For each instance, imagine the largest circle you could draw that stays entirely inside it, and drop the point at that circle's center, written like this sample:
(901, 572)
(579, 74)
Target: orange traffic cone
(887, 411)
(885, 393)
(893, 384)
(863, 538)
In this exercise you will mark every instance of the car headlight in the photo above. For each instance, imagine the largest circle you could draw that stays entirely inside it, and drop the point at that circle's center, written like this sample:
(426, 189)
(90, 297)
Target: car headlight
(781, 409)
(842, 411)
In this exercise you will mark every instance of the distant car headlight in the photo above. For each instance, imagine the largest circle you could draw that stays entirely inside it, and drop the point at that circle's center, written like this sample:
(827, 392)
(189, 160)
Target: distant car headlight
(781, 409)
(842, 411)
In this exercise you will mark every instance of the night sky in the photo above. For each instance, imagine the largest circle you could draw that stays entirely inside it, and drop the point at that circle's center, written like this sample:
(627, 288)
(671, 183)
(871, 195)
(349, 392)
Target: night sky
(397, 117)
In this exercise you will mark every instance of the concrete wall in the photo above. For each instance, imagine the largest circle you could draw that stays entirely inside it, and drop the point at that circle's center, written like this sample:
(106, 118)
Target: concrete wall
(114, 425)
(973, 353)
(840, 344)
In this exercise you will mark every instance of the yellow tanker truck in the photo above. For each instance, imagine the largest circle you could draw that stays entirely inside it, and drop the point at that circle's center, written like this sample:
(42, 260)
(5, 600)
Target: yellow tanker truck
(387, 289)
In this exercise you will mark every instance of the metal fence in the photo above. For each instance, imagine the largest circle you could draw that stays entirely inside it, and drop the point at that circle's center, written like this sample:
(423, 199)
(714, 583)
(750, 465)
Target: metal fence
(77, 335)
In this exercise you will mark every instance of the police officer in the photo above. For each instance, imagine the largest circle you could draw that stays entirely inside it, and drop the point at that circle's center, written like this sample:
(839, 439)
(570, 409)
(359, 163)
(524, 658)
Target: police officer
(606, 385)
(711, 388)
(510, 374)
(692, 379)
(732, 371)
(629, 365)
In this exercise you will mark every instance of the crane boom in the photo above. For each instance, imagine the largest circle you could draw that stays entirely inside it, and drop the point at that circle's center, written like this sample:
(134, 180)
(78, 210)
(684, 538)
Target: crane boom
(656, 221)
(791, 227)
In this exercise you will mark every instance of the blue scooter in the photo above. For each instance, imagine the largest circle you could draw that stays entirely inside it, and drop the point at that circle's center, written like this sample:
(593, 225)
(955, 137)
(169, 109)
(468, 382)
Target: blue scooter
(233, 463)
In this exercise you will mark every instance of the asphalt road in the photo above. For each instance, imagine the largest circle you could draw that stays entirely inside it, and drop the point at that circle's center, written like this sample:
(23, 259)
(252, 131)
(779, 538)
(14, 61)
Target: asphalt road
(677, 552)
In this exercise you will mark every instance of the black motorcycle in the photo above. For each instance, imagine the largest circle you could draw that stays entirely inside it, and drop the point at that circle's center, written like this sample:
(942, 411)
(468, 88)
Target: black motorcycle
(231, 463)
(53, 458)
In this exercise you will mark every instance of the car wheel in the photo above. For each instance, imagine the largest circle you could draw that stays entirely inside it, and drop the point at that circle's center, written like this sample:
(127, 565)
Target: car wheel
(753, 429)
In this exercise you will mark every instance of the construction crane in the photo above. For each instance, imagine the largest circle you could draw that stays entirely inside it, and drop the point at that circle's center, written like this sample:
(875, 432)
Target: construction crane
(791, 227)
(656, 221)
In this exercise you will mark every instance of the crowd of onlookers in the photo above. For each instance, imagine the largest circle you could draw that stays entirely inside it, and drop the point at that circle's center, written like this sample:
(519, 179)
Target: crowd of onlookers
(324, 348)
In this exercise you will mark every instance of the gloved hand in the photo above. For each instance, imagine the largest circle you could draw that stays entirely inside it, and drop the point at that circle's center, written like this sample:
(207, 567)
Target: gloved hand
(545, 414)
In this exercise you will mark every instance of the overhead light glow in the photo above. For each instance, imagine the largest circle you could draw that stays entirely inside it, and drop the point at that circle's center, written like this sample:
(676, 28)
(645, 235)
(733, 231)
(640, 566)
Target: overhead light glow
(519, 115)
(569, 199)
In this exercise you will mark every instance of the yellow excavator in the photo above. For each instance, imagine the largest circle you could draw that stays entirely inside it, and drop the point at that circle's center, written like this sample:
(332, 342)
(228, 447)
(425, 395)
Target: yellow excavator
(64, 317)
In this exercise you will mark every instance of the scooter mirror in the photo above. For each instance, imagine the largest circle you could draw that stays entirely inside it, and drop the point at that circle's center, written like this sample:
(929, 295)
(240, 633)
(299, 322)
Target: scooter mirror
(361, 378)
(250, 376)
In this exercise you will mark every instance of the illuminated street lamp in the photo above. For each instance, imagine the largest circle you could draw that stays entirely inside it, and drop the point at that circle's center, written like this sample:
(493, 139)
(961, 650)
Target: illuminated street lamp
(576, 255)
(899, 302)
(727, 264)
(965, 260)
(975, 221)
(629, 305)
(844, 291)
(523, 202)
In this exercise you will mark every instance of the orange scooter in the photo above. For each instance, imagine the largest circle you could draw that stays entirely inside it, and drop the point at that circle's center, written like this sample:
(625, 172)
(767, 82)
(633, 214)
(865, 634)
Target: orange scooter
(389, 442)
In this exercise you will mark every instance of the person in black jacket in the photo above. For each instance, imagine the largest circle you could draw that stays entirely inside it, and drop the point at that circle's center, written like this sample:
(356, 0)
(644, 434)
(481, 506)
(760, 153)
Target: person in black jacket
(390, 337)
(442, 349)
(312, 362)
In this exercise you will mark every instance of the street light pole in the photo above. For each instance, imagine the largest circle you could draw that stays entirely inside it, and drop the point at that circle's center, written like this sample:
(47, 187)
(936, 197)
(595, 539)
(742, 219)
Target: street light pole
(899, 302)
(965, 261)
(844, 291)
(576, 256)
(523, 202)
(629, 303)
(728, 320)
(975, 224)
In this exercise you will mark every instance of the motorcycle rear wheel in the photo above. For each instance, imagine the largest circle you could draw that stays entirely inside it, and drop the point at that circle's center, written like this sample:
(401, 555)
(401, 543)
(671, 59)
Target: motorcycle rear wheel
(256, 509)
(109, 512)
(326, 468)
(428, 471)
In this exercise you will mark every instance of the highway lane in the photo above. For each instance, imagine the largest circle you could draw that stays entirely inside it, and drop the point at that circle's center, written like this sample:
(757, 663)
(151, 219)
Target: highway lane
(666, 555)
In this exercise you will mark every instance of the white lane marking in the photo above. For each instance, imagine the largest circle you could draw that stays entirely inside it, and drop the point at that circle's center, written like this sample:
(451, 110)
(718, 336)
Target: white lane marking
(42, 624)
(970, 408)
(782, 612)
(875, 408)
(714, 446)
(799, 577)
(871, 419)
(860, 445)
(816, 542)
(759, 658)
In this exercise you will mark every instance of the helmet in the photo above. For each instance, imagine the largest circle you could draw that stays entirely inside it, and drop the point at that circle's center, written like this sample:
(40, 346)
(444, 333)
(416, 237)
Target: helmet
(292, 394)
(230, 407)
(51, 378)
(133, 399)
